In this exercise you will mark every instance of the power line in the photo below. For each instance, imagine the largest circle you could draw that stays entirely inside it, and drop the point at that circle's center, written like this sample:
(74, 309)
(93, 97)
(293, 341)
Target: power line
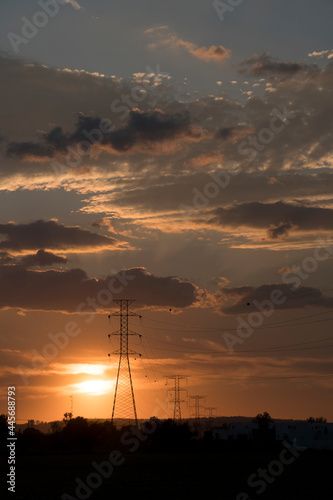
(156, 370)
(287, 377)
(284, 323)
(198, 348)
(304, 294)
(248, 350)
(243, 351)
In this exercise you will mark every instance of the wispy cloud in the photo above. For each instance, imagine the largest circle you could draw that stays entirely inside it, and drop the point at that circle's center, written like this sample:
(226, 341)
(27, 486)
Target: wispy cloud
(162, 37)
(74, 4)
(321, 54)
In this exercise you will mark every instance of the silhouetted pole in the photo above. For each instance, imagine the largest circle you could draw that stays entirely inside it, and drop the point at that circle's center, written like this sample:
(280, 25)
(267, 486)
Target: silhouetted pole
(124, 402)
(177, 413)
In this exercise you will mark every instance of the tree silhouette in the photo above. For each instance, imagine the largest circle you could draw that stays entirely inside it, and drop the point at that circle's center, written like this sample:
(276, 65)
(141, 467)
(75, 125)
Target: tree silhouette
(320, 420)
(55, 426)
(3, 423)
(263, 435)
(33, 439)
(68, 416)
(3, 431)
(263, 420)
(76, 434)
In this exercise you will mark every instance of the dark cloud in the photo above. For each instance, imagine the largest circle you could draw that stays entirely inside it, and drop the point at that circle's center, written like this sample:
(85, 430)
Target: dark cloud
(42, 234)
(224, 133)
(225, 125)
(282, 229)
(98, 224)
(66, 290)
(5, 258)
(157, 126)
(147, 128)
(154, 193)
(246, 299)
(278, 217)
(26, 150)
(57, 139)
(142, 130)
(265, 65)
(41, 259)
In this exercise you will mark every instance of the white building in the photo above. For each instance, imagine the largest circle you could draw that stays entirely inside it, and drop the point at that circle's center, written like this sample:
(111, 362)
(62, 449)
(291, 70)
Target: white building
(236, 430)
(317, 435)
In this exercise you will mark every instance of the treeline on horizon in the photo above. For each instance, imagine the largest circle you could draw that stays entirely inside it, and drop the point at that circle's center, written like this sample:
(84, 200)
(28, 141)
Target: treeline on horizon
(80, 436)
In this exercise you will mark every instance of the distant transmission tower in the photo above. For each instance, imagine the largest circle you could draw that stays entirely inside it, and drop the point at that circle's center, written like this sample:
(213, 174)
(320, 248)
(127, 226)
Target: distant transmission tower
(197, 406)
(177, 414)
(211, 412)
(124, 408)
(72, 406)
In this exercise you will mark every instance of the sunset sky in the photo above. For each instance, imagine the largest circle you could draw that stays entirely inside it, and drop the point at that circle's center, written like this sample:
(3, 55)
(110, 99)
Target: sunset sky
(181, 156)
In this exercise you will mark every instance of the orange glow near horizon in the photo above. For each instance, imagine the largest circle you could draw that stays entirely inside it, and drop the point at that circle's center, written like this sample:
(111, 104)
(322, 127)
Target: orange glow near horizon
(93, 387)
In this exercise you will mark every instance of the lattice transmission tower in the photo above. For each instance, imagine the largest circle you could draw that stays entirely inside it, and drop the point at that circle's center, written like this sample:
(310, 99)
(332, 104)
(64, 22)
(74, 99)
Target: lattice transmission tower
(197, 406)
(72, 406)
(124, 409)
(177, 389)
(211, 412)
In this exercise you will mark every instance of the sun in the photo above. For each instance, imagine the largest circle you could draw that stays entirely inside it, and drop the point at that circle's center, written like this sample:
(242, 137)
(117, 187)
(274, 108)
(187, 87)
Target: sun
(93, 387)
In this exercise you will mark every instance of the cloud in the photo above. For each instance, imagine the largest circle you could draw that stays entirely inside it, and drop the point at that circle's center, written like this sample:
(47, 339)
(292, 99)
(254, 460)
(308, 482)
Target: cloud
(181, 142)
(265, 65)
(233, 134)
(6, 258)
(72, 290)
(74, 4)
(282, 229)
(50, 234)
(321, 54)
(155, 195)
(29, 151)
(278, 217)
(141, 132)
(163, 37)
(176, 132)
(41, 259)
(247, 298)
(213, 53)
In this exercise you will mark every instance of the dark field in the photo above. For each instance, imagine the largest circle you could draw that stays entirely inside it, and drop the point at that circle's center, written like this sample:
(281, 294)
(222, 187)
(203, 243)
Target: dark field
(213, 476)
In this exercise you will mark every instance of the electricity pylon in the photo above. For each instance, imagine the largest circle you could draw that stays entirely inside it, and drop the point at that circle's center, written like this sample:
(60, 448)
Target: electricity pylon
(211, 412)
(72, 406)
(124, 402)
(177, 413)
(197, 405)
